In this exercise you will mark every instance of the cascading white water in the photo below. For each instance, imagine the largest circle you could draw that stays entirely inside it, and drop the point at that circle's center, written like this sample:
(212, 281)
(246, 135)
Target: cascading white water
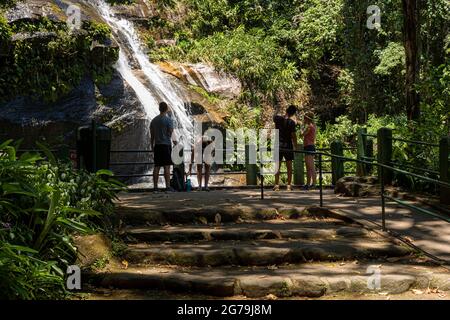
(155, 87)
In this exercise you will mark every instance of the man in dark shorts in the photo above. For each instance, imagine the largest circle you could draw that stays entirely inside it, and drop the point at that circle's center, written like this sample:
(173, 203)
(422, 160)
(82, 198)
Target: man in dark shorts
(288, 142)
(161, 129)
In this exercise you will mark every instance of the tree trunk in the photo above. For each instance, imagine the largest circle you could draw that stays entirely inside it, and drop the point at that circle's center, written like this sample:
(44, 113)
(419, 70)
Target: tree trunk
(411, 33)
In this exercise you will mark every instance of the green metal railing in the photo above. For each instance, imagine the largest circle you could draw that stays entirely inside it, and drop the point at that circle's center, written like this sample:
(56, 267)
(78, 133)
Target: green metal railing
(382, 167)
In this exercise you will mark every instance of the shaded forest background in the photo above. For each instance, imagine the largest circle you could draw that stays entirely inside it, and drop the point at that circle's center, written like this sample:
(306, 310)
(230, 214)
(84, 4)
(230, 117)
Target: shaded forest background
(319, 54)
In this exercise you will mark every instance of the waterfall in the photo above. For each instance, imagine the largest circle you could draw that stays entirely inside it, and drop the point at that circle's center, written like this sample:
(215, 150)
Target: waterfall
(154, 86)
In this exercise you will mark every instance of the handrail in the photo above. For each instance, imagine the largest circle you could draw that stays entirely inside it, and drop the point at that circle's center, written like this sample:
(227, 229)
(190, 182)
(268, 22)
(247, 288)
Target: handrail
(405, 140)
(369, 135)
(130, 163)
(131, 151)
(421, 210)
(416, 142)
(416, 168)
(441, 183)
(382, 167)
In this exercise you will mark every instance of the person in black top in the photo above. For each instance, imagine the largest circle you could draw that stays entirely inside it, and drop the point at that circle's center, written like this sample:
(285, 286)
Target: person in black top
(288, 141)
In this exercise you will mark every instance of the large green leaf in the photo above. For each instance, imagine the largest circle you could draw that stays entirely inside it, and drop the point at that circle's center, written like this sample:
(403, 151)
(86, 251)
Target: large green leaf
(51, 158)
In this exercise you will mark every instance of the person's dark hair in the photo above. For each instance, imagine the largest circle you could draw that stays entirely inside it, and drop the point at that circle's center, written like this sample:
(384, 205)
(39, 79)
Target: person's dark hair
(291, 110)
(163, 107)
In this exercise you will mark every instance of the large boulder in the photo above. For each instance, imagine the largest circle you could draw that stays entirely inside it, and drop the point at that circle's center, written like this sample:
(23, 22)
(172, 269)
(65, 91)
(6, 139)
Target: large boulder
(55, 10)
(205, 77)
(114, 103)
(358, 186)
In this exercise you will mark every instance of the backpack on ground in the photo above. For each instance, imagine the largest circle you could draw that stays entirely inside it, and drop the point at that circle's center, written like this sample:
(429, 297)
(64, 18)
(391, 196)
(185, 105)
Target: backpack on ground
(177, 181)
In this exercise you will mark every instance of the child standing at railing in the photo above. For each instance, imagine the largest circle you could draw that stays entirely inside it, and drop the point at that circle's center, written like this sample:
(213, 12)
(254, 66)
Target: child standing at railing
(309, 142)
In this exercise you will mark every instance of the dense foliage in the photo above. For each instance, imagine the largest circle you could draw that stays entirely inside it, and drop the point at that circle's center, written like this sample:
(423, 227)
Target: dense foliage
(279, 48)
(43, 201)
(44, 59)
(322, 56)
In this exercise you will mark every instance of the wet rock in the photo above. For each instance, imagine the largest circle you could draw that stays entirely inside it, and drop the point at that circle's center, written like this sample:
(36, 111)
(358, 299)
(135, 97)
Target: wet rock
(30, 118)
(205, 77)
(35, 9)
(138, 11)
(55, 10)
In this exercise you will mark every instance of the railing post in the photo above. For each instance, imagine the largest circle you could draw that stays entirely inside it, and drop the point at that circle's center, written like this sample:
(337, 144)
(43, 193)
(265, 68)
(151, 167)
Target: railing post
(337, 165)
(94, 146)
(361, 152)
(369, 154)
(320, 180)
(251, 168)
(261, 175)
(299, 167)
(383, 201)
(444, 168)
(384, 156)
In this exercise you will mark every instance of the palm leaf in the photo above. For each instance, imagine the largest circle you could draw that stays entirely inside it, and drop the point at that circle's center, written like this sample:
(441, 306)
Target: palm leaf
(51, 158)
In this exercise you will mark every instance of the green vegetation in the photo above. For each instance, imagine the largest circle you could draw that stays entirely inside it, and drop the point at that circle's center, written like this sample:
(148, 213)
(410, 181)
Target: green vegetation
(280, 51)
(43, 59)
(7, 3)
(43, 202)
(322, 56)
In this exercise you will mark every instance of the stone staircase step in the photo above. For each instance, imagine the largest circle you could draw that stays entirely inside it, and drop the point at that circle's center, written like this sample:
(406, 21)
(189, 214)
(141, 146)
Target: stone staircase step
(261, 252)
(246, 231)
(138, 215)
(309, 280)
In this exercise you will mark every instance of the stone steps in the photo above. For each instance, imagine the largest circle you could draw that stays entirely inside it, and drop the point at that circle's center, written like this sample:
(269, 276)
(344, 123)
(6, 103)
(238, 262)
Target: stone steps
(138, 216)
(244, 232)
(312, 280)
(261, 252)
(229, 250)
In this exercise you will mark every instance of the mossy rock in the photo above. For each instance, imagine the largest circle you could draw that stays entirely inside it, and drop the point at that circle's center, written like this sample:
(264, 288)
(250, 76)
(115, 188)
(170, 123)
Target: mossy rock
(92, 248)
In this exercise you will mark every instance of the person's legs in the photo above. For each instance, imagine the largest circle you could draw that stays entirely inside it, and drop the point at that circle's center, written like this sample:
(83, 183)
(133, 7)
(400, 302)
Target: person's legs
(207, 173)
(277, 176)
(167, 176)
(313, 171)
(199, 176)
(310, 170)
(289, 172)
(156, 177)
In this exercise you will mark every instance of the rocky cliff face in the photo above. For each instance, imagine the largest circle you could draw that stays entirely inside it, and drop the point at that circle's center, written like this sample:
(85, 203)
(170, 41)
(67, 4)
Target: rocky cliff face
(113, 103)
(31, 118)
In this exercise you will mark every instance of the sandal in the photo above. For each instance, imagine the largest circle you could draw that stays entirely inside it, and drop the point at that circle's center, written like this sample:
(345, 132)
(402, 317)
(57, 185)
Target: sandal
(276, 188)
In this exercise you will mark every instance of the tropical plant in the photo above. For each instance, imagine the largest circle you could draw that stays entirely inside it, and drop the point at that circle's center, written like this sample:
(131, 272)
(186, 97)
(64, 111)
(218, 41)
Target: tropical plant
(43, 201)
